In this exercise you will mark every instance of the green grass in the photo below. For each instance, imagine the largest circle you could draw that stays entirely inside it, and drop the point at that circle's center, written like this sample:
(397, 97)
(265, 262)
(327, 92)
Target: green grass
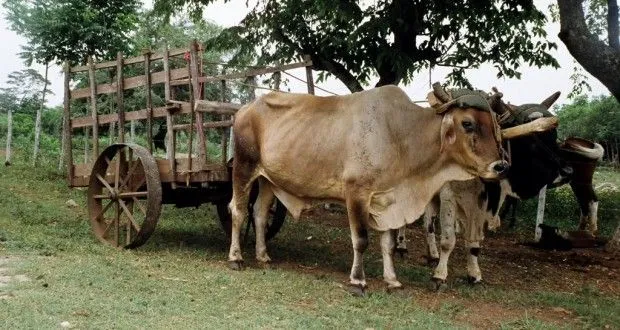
(179, 279)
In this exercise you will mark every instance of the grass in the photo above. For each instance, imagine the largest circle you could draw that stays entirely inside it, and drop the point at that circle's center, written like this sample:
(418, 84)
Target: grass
(179, 279)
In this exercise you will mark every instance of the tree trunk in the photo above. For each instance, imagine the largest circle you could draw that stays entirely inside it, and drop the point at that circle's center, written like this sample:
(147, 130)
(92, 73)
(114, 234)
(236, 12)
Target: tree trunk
(37, 125)
(599, 59)
(9, 136)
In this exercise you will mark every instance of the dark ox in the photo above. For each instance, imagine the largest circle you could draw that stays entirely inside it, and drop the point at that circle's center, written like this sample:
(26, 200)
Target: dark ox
(375, 151)
(536, 160)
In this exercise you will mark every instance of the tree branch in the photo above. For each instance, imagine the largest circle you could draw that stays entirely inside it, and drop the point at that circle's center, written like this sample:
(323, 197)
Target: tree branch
(612, 24)
(599, 59)
(320, 62)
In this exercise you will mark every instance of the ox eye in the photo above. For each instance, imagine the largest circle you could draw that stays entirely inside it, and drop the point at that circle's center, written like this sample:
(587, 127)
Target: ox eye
(468, 126)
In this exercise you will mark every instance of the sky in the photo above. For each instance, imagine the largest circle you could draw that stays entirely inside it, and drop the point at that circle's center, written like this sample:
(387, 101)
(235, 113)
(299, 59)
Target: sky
(534, 86)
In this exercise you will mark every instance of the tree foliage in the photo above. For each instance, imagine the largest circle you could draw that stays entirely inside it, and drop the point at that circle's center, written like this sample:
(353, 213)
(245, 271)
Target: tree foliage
(59, 30)
(394, 40)
(597, 119)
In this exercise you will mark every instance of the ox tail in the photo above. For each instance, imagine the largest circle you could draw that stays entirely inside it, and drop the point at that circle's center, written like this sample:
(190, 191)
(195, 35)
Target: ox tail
(587, 149)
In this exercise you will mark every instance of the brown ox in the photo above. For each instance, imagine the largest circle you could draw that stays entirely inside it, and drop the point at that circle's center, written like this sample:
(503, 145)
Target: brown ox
(375, 151)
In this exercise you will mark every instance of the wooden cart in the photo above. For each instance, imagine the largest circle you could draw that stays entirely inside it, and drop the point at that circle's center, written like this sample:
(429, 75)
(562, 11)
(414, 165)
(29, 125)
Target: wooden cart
(128, 182)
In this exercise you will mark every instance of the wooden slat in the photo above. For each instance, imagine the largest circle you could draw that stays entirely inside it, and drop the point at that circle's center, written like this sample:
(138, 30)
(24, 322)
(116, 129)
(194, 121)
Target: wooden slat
(257, 72)
(67, 125)
(171, 143)
(130, 60)
(129, 116)
(132, 82)
(212, 106)
(119, 97)
(93, 106)
(224, 137)
(197, 95)
(149, 101)
(206, 173)
(211, 124)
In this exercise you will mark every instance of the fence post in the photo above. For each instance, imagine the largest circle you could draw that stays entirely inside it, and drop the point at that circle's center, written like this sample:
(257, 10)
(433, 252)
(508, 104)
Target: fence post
(149, 100)
(540, 213)
(9, 136)
(67, 126)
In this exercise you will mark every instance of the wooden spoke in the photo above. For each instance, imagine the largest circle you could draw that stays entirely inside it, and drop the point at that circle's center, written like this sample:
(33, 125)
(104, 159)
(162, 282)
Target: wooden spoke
(105, 183)
(133, 194)
(140, 206)
(104, 210)
(117, 169)
(107, 160)
(117, 223)
(129, 175)
(129, 215)
(102, 197)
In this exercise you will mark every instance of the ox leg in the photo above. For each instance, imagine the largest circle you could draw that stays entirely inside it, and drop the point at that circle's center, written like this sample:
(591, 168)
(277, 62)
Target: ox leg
(447, 215)
(261, 214)
(430, 215)
(387, 251)
(474, 275)
(357, 209)
(401, 241)
(238, 207)
(588, 206)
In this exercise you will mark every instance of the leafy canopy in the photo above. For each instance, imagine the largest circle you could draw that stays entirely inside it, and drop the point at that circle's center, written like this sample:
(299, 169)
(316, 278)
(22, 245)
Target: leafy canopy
(394, 40)
(59, 30)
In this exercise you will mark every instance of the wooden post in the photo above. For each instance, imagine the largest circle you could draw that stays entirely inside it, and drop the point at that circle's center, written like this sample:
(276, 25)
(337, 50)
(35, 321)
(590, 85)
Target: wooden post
(191, 121)
(67, 126)
(540, 214)
(309, 77)
(194, 75)
(9, 136)
(149, 100)
(132, 132)
(86, 138)
(224, 137)
(171, 141)
(93, 106)
(120, 97)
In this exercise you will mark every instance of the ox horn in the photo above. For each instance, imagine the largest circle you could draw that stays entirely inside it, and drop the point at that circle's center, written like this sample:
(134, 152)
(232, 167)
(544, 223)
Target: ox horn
(440, 93)
(548, 102)
(535, 126)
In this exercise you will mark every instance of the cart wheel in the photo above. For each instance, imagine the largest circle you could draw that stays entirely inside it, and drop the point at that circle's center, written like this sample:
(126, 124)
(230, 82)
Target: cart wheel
(124, 195)
(277, 213)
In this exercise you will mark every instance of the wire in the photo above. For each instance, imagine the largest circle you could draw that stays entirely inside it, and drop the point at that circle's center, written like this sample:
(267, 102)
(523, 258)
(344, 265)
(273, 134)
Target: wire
(317, 87)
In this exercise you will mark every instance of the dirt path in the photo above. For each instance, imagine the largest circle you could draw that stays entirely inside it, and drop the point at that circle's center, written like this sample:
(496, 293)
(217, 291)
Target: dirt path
(8, 276)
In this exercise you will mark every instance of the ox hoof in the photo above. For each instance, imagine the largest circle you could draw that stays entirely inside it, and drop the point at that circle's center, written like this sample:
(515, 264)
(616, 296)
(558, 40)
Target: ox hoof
(357, 290)
(402, 252)
(474, 281)
(235, 264)
(265, 265)
(432, 262)
(393, 288)
(438, 285)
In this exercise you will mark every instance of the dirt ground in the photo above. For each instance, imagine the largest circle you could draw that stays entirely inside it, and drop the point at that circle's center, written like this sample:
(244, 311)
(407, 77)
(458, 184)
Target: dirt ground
(507, 263)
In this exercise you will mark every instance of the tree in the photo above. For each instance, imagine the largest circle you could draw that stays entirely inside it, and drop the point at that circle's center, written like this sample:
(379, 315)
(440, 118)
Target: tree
(393, 40)
(63, 30)
(581, 32)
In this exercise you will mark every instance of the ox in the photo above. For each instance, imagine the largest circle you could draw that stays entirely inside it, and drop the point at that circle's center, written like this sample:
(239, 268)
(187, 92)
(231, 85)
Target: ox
(536, 161)
(381, 155)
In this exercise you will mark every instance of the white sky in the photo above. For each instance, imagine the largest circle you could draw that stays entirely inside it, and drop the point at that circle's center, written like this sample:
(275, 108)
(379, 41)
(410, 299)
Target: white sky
(535, 84)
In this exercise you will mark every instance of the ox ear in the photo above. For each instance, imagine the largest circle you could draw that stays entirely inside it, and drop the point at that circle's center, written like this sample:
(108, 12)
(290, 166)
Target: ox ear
(448, 133)
(548, 102)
